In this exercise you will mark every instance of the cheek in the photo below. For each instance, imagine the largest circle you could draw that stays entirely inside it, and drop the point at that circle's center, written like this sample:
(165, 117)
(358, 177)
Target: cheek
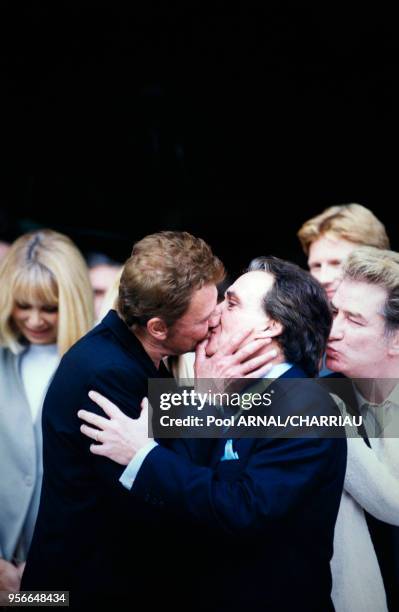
(202, 331)
(231, 321)
(358, 347)
(17, 318)
(52, 323)
(335, 275)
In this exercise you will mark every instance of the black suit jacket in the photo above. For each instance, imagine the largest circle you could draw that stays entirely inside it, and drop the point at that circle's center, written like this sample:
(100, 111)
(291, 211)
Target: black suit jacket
(264, 523)
(92, 538)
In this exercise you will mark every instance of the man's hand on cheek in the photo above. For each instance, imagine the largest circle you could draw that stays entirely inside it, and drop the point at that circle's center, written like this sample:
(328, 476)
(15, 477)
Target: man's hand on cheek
(118, 437)
(236, 358)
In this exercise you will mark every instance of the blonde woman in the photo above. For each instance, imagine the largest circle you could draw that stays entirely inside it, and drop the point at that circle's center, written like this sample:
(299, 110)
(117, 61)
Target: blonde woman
(46, 305)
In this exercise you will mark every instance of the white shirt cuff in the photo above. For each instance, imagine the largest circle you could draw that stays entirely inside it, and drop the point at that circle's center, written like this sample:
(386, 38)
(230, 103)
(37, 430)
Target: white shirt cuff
(129, 475)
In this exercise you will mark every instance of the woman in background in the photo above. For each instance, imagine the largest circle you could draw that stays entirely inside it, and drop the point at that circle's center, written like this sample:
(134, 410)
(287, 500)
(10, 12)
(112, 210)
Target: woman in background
(46, 305)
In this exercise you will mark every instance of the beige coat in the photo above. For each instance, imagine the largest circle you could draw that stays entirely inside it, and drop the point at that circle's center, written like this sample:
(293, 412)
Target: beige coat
(20, 462)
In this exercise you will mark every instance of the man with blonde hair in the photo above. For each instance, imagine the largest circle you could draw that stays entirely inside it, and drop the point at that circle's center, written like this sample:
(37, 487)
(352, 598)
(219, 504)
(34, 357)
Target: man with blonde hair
(166, 303)
(328, 238)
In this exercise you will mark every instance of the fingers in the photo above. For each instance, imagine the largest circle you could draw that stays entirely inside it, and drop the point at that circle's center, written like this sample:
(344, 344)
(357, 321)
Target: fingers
(232, 344)
(109, 408)
(144, 403)
(260, 372)
(200, 351)
(21, 568)
(200, 356)
(94, 434)
(258, 362)
(144, 408)
(253, 347)
(266, 333)
(93, 419)
(98, 449)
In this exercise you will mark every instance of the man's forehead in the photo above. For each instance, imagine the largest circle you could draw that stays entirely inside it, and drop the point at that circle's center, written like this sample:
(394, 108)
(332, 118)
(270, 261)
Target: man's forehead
(359, 296)
(250, 284)
(330, 241)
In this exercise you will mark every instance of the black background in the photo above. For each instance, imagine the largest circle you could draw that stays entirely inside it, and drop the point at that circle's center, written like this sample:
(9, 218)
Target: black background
(234, 123)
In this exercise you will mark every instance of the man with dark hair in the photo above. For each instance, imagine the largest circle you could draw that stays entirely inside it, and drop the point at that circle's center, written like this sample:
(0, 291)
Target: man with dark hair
(103, 272)
(264, 508)
(294, 301)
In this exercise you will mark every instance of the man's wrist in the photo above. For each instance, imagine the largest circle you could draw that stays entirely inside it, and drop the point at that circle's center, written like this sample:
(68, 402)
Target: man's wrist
(129, 475)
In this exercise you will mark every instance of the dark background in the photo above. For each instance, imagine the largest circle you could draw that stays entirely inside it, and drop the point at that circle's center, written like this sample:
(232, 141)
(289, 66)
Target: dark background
(234, 123)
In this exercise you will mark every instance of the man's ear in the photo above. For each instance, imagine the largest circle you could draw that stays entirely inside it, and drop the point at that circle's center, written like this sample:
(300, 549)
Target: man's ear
(393, 350)
(157, 328)
(275, 328)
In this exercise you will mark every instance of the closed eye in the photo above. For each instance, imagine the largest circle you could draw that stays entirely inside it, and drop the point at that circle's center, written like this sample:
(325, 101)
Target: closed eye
(23, 306)
(356, 322)
(50, 309)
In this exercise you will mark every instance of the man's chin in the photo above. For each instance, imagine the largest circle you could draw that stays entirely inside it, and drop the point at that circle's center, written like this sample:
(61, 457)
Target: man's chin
(333, 364)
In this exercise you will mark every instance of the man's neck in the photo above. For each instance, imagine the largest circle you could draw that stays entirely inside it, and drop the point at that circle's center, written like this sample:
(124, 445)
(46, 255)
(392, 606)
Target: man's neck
(379, 381)
(153, 350)
(375, 390)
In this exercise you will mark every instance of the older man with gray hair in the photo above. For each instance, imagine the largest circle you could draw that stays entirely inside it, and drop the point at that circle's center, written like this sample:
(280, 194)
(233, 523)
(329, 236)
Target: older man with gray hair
(364, 346)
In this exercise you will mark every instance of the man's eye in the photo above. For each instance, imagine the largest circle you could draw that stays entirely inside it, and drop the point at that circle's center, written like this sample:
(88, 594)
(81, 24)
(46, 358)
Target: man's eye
(230, 305)
(356, 322)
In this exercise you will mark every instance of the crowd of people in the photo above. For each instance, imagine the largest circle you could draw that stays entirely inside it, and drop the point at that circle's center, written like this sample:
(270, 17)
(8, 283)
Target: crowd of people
(90, 504)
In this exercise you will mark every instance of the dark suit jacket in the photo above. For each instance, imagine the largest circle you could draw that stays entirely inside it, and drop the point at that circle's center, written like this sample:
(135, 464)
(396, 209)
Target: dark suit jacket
(92, 538)
(264, 523)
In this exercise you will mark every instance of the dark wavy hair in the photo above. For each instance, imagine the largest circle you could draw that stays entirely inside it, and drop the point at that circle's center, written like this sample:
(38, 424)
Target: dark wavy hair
(300, 304)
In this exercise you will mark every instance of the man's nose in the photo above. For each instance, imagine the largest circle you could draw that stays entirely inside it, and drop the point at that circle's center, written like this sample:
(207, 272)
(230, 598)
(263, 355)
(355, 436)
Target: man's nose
(214, 319)
(337, 331)
(327, 275)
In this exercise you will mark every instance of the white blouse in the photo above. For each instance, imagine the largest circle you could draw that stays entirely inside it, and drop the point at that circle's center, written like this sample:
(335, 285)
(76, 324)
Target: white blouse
(37, 366)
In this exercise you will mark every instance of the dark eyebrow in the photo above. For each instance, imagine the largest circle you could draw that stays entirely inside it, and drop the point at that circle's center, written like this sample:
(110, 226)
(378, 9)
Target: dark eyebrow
(232, 295)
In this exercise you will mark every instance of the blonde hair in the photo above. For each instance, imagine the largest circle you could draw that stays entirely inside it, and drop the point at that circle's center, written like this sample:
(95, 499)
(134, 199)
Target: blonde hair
(351, 222)
(377, 267)
(161, 275)
(46, 266)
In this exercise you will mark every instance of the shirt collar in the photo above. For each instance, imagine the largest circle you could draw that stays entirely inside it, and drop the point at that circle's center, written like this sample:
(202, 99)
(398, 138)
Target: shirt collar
(393, 398)
(278, 370)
